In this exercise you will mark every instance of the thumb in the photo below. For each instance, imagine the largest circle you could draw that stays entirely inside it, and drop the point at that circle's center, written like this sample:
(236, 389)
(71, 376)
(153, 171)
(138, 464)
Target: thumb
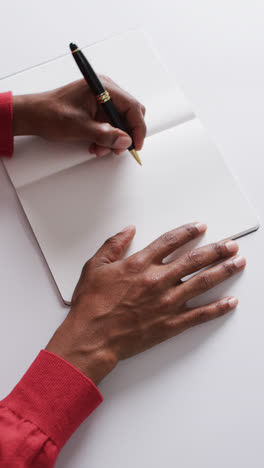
(103, 134)
(115, 246)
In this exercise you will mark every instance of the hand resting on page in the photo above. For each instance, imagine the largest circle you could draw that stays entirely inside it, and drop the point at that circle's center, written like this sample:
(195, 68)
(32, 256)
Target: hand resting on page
(121, 307)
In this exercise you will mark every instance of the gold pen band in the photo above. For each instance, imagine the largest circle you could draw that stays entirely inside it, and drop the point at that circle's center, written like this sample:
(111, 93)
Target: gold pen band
(103, 97)
(75, 50)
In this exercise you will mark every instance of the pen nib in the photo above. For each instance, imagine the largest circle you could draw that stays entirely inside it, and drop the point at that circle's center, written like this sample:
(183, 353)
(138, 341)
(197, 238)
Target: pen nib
(136, 156)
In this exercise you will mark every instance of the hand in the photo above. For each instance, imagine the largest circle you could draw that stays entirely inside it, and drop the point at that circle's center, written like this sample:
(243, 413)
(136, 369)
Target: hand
(123, 307)
(72, 113)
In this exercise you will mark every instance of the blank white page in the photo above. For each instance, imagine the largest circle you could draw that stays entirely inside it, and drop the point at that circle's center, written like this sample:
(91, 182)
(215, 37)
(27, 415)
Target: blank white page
(131, 61)
(183, 179)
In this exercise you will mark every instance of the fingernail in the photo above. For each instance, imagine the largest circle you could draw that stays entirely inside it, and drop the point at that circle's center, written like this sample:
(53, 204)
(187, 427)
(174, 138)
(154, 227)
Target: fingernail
(122, 142)
(231, 246)
(232, 302)
(239, 261)
(128, 228)
(201, 227)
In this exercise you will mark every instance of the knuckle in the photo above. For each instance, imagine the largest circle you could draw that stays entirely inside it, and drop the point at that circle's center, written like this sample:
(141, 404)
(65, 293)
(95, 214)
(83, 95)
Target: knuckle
(153, 280)
(191, 231)
(185, 321)
(113, 245)
(205, 281)
(169, 239)
(202, 315)
(137, 105)
(229, 268)
(143, 109)
(104, 129)
(194, 257)
(99, 134)
(64, 115)
(143, 128)
(150, 281)
(135, 264)
(218, 247)
(146, 282)
(167, 301)
(221, 307)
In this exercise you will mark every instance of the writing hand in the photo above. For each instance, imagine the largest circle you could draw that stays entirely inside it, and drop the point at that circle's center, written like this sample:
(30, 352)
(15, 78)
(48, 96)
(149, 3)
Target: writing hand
(72, 113)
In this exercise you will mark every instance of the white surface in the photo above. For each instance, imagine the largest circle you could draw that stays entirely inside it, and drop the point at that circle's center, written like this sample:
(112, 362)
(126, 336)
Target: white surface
(62, 191)
(198, 399)
(73, 211)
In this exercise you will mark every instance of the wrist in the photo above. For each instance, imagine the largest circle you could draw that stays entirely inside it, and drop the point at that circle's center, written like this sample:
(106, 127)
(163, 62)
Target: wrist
(25, 114)
(94, 361)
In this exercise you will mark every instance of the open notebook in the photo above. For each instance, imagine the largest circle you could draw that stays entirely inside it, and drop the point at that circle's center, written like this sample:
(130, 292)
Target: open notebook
(74, 201)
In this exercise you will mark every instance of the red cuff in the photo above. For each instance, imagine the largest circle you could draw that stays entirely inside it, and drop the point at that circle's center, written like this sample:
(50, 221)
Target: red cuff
(6, 124)
(55, 396)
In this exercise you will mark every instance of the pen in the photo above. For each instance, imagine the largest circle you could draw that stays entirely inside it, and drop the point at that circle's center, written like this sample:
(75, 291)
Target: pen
(102, 96)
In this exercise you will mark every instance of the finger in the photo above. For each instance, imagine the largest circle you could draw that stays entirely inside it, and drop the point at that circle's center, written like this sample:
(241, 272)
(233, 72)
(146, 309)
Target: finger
(133, 111)
(197, 259)
(103, 134)
(198, 315)
(115, 246)
(172, 240)
(136, 125)
(91, 148)
(99, 150)
(208, 279)
(117, 152)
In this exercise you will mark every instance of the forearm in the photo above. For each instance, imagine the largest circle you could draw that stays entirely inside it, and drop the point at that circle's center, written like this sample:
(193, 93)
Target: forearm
(24, 114)
(94, 358)
(38, 416)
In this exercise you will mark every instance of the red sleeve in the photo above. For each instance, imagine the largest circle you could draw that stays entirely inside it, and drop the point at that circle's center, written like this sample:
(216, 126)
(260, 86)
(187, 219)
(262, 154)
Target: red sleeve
(6, 124)
(44, 409)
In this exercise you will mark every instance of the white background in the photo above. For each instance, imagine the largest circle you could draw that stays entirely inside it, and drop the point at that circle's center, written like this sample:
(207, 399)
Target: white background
(198, 400)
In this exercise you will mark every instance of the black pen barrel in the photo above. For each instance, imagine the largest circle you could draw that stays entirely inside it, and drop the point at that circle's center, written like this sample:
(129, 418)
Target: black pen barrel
(88, 73)
(114, 118)
(97, 88)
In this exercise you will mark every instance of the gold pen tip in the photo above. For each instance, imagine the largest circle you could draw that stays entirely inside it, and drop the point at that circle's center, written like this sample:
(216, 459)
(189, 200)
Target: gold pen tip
(136, 156)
